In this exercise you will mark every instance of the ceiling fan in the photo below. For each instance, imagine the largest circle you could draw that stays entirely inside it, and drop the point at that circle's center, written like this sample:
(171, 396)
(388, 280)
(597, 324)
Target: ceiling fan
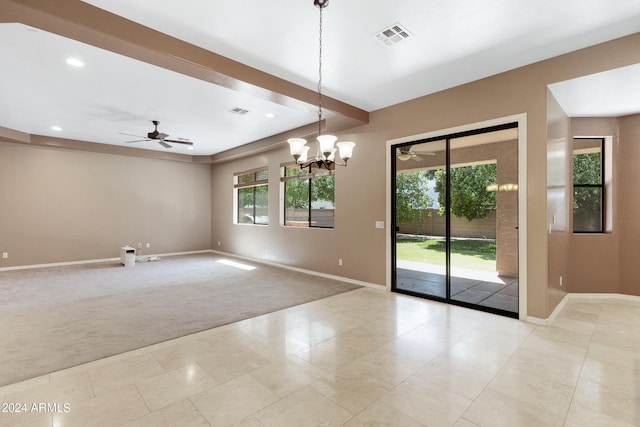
(159, 137)
(406, 153)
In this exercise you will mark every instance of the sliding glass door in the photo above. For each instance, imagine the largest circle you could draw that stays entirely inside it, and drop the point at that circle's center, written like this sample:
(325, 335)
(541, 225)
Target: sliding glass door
(455, 216)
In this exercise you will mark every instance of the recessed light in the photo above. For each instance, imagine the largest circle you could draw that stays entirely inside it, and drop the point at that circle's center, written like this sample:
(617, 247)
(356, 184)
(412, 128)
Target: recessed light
(56, 128)
(75, 62)
(269, 115)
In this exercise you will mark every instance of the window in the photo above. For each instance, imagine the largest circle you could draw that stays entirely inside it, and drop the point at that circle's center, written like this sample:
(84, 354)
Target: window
(588, 185)
(252, 197)
(308, 196)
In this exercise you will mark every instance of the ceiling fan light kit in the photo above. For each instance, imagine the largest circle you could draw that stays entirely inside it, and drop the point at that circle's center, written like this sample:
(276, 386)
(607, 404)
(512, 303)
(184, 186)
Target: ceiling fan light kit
(404, 154)
(160, 137)
(325, 156)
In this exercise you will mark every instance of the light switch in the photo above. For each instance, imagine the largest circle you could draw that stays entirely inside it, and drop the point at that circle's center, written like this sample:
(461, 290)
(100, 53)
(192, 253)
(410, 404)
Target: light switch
(379, 224)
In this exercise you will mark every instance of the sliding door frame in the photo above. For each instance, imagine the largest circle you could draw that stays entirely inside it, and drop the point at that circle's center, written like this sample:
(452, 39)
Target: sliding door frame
(521, 122)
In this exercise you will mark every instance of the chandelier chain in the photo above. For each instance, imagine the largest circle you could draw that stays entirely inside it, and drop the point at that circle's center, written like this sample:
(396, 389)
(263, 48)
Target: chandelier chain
(327, 147)
(320, 74)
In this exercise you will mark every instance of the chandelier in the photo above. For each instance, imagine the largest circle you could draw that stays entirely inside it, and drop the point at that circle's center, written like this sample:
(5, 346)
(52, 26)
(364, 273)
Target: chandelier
(325, 155)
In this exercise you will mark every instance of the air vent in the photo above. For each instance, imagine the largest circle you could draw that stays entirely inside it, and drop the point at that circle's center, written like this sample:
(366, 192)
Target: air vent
(393, 35)
(238, 110)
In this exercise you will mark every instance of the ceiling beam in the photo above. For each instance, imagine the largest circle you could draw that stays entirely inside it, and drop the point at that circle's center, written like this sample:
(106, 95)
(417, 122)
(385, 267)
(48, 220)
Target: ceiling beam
(88, 24)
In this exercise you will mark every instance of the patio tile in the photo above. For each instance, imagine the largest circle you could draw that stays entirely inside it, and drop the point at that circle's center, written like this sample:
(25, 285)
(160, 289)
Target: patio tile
(511, 289)
(472, 296)
(502, 302)
(489, 287)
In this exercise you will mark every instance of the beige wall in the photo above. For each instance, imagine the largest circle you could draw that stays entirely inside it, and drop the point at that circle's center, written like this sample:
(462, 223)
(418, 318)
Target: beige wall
(63, 205)
(628, 193)
(362, 184)
(354, 239)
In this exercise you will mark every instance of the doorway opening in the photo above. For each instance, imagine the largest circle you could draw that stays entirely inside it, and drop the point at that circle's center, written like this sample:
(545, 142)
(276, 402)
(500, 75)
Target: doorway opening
(455, 218)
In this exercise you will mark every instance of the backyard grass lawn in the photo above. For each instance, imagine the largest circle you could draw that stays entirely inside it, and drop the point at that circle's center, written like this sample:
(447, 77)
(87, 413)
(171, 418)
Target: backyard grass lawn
(472, 254)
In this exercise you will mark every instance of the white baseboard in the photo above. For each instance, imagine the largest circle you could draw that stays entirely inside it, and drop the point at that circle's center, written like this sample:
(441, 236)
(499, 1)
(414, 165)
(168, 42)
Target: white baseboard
(551, 318)
(92, 261)
(288, 267)
(626, 297)
(302, 270)
(537, 321)
(579, 296)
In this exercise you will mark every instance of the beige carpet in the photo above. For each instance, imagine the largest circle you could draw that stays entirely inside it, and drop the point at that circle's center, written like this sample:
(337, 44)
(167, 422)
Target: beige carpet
(56, 317)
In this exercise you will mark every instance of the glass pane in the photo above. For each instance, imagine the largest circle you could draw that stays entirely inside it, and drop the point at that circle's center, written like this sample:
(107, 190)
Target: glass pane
(294, 171)
(587, 209)
(245, 178)
(262, 204)
(245, 205)
(322, 207)
(587, 161)
(420, 222)
(262, 175)
(483, 220)
(296, 207)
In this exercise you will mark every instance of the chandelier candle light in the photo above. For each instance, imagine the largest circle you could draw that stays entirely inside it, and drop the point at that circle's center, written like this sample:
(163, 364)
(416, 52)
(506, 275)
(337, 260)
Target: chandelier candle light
(325, 157)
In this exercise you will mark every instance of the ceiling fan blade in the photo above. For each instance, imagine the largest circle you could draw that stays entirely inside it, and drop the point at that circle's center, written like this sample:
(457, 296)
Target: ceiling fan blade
(424, 153)
(164, 144)
(138, 140)
(162, 135)
(175, 141)
(128, 134)
(416, 158)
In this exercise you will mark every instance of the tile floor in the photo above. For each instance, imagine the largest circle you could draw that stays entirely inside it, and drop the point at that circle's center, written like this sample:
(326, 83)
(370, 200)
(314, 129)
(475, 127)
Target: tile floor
(365, 357)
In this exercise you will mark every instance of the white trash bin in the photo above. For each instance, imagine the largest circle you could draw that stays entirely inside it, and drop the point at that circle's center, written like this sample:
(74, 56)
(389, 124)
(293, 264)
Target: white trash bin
(128, 256)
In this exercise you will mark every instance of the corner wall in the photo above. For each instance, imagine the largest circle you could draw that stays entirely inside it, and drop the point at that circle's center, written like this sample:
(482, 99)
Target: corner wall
(629, 203)
(594, 259)
(559, 149)
(607, 262)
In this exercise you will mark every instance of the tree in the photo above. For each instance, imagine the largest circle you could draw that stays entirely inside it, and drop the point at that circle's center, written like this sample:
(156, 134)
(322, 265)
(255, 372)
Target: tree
(469, 196)
(587, 201)
(411, 195)
(297, 190)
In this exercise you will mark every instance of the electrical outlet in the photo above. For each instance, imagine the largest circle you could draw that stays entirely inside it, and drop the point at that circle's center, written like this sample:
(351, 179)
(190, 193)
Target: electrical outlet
(218, 242)
(139, 245)
(340, 262)
(560, 280)
(148, 245)
(5, 255)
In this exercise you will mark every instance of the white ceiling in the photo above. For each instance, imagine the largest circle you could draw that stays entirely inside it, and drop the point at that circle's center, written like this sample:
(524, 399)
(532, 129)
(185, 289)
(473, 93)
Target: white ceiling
(451, 43)
(609, 94)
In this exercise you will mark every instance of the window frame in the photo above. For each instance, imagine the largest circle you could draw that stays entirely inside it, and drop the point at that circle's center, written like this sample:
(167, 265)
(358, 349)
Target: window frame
(254, 183)
(312, 173)
(601, 186)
